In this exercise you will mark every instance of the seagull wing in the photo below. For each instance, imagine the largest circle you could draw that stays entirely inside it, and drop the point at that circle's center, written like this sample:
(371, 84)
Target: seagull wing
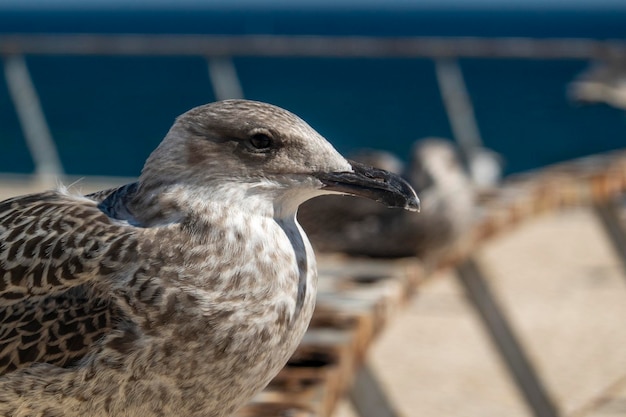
(55, 250)
(58, 330)
(100, 196)
(117, 193)
(51, 242)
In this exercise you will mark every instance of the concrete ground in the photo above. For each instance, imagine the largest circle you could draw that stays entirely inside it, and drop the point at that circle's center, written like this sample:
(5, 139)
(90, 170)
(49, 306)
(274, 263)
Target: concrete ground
(563, 290)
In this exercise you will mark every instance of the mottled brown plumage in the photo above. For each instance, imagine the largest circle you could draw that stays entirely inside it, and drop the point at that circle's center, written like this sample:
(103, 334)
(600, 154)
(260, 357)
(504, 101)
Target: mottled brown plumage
(181, 294)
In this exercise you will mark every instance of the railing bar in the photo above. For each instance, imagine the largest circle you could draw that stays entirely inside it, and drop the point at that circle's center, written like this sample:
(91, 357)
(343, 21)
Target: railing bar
(224, 79)
(503, 337)
(458, 106)
(609, 219)
(368, 397)
(310, 46)
(32, 120)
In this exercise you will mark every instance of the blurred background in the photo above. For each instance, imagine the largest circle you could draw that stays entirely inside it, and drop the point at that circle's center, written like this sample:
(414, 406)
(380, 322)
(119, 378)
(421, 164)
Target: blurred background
(90, 87)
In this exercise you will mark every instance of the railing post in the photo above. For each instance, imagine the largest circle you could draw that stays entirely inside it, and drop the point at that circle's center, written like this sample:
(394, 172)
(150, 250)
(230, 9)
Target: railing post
(32, 120)
(484, 166)
(224, 79)
(504, 339)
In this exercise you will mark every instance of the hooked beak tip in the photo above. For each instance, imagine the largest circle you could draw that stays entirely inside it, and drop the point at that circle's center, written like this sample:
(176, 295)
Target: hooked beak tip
(373, 183)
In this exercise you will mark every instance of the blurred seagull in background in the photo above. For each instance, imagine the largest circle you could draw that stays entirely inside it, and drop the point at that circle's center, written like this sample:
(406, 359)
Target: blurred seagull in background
(183, 293)
(449, 202)
(360, 228)
(601, 82)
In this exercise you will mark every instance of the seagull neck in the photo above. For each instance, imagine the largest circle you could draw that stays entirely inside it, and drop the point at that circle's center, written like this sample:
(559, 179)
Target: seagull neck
(167, 204)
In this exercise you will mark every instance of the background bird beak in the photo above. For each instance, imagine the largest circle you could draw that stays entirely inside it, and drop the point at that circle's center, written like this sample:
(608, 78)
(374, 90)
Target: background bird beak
(373, 183)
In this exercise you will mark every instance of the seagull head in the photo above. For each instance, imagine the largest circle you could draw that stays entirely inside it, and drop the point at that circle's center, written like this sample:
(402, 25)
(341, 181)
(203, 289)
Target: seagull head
(243, 149)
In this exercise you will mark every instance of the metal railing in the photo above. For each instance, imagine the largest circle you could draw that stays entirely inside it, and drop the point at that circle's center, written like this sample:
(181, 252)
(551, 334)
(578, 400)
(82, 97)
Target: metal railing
(311, 46)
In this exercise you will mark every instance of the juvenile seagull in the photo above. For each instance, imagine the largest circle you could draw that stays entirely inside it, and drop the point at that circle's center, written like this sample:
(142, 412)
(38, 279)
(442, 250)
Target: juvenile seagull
(183, 293)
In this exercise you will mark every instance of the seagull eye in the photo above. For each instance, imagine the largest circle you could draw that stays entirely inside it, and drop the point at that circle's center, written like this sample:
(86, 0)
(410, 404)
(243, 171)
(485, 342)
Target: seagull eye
(261, 141)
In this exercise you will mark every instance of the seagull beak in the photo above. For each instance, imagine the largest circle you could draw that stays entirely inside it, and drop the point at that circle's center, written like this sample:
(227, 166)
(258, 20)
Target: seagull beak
(373, 183)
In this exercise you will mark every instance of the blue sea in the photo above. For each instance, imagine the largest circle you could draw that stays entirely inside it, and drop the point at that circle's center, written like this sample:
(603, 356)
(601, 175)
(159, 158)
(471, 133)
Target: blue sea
(107, 113)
